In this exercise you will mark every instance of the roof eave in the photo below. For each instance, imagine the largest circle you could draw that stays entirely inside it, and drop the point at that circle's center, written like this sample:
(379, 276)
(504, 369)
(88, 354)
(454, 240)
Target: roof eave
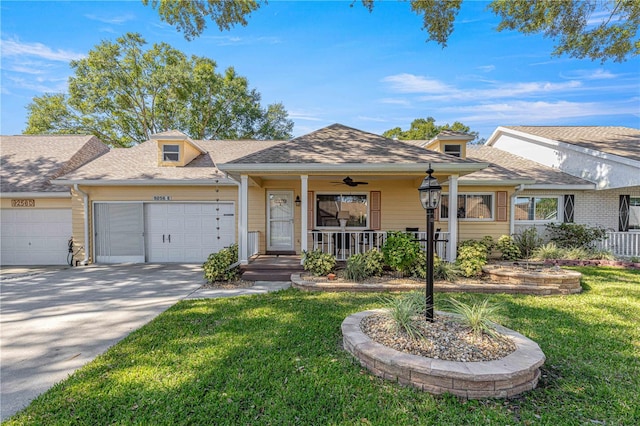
(146, 182)
(573, 187)
(459, 168)
(493, 182)
(35, 194)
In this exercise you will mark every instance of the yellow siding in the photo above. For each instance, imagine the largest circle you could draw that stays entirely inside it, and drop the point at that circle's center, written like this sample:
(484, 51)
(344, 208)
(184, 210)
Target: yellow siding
(187, 153)
(77, 225)
(190, 153)
(40, 203)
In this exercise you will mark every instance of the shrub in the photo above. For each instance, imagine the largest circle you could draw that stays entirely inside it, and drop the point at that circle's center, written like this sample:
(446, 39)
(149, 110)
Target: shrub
(577, 253)
(527, 241)
(217, 267)
(318, 263)
(478, 316)
(602, 255)
(508, 248)
(364, 265)
(402, 312)
(548, 251)
(400, 251)
(472, 256)
(570, 235)
(442, 270)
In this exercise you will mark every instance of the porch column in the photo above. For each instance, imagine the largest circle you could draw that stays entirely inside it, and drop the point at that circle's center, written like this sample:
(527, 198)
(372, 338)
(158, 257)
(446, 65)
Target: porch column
(304, 188)
(453, 218)
(243, 209)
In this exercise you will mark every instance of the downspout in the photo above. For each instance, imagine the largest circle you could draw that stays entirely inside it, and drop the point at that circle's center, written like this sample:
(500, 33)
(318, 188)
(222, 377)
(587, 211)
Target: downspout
(512, 213)
(85, 202)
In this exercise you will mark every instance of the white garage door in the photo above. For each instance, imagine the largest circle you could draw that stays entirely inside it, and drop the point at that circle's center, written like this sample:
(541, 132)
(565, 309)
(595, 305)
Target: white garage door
(188, 232)
(35, 236)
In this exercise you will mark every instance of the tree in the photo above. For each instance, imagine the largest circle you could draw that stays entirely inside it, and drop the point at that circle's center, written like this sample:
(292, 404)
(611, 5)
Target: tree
(594, 29)
(123, 94)
(426, 129)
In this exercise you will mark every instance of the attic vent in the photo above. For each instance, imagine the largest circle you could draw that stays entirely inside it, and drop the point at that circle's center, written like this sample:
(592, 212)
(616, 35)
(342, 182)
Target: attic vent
(170, 152)
(455, 150)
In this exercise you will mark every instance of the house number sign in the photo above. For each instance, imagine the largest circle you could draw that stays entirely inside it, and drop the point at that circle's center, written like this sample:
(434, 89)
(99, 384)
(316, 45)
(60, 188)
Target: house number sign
(23, 203)
(162, 198)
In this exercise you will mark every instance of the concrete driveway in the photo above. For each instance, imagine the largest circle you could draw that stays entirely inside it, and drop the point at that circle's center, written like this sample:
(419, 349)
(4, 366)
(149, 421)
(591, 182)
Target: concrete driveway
(53, 322)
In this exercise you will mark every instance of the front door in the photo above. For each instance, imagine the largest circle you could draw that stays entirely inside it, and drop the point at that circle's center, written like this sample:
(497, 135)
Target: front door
(280, 209)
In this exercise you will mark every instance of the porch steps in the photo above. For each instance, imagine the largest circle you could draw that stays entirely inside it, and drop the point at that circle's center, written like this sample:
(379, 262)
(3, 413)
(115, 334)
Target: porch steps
(271, 268)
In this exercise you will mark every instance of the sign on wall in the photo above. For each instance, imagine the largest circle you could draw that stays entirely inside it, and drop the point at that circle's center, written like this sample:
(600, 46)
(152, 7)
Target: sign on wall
(23, 203)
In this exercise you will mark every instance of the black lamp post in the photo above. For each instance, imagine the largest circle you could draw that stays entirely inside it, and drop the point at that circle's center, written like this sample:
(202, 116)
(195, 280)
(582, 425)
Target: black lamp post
(430, 191)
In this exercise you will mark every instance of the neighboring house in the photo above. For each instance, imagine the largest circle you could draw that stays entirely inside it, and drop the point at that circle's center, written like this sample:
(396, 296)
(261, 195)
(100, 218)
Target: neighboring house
(607, 157)
(35, 216)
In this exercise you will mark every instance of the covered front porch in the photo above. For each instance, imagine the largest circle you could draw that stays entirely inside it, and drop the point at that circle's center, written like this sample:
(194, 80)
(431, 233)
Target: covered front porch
(341, 190)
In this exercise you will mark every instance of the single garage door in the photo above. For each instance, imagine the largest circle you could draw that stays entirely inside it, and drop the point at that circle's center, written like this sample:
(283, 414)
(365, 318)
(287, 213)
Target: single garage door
(188, 232)
(35, 236)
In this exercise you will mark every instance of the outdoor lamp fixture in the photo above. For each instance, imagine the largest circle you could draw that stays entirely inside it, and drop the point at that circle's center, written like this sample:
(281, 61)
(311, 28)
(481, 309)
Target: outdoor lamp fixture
(430, 191)
(298, 202)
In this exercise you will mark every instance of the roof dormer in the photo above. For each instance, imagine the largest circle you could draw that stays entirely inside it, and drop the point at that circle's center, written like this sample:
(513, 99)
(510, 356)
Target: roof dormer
(175, 149)
(450, 142)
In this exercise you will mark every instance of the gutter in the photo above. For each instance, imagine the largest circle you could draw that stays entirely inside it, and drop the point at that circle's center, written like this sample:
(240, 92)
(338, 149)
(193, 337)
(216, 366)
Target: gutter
(146, 182)
(512, 213)
(35, 195)
(85, 197)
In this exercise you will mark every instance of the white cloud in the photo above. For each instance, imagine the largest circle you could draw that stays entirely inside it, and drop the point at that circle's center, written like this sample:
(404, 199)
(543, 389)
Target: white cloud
(534, 112)
(303, 116)
(13, 48)
(486, 68)
(410, 83)
(374, 119)
(598, 74)
(113, 20)
(41, 85)
(395, 101)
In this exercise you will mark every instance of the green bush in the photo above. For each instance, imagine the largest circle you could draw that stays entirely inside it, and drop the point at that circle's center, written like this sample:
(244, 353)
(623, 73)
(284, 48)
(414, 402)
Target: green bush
(218, 265)
(400, 251)
(572, 235)
(472, 256)
(508, 248)
(318, 263)
(443, 271)
(548, 251)
(527, 241)
(364, 265)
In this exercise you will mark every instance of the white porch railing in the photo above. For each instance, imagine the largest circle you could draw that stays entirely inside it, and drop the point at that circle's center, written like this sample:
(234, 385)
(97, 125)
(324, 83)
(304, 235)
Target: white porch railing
(344, 244)
(253, 243)
(621, 243)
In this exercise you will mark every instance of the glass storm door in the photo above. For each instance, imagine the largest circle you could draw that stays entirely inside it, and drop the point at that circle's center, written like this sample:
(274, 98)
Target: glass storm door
(280, 209)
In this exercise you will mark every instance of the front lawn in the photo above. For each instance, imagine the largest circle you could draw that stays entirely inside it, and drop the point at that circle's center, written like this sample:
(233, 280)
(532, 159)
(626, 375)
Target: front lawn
(277, 359)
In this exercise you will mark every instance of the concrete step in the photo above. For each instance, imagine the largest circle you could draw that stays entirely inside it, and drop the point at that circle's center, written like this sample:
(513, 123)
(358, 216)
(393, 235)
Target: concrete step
(267, 275)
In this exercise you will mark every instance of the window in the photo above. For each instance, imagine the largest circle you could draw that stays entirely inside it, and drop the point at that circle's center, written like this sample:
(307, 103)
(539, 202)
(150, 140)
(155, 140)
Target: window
(455, 150)
(470, 206)
(329, 205)
(540, 209)
(634, 213)
(170, 152)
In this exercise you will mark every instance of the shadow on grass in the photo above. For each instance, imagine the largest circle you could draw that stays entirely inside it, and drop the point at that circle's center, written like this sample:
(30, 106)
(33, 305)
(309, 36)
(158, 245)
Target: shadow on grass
(276, 359)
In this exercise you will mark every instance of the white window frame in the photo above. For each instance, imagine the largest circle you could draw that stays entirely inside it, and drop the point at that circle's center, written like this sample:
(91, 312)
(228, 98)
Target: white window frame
(465, 194)
(341, 194)
(631, 198)
(166, 153)
(559, 213)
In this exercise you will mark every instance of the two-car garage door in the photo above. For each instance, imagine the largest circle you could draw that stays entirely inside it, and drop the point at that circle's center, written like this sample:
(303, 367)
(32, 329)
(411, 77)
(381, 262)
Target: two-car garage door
(162, 232)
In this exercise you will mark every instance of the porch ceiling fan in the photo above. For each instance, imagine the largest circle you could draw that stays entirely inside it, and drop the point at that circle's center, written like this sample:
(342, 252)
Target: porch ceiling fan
(350, 182)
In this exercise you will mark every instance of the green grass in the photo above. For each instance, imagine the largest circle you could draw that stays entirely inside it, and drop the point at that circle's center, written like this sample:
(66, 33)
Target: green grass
(276, 359)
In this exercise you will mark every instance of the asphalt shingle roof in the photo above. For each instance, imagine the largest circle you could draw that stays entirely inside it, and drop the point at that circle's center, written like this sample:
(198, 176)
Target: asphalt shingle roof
(621, 141)
(30, 162)
(339, 144)
(140, 162)
(506, 166)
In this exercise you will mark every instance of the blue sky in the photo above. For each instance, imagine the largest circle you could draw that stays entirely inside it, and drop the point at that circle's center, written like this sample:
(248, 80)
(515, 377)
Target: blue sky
(329, 63)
